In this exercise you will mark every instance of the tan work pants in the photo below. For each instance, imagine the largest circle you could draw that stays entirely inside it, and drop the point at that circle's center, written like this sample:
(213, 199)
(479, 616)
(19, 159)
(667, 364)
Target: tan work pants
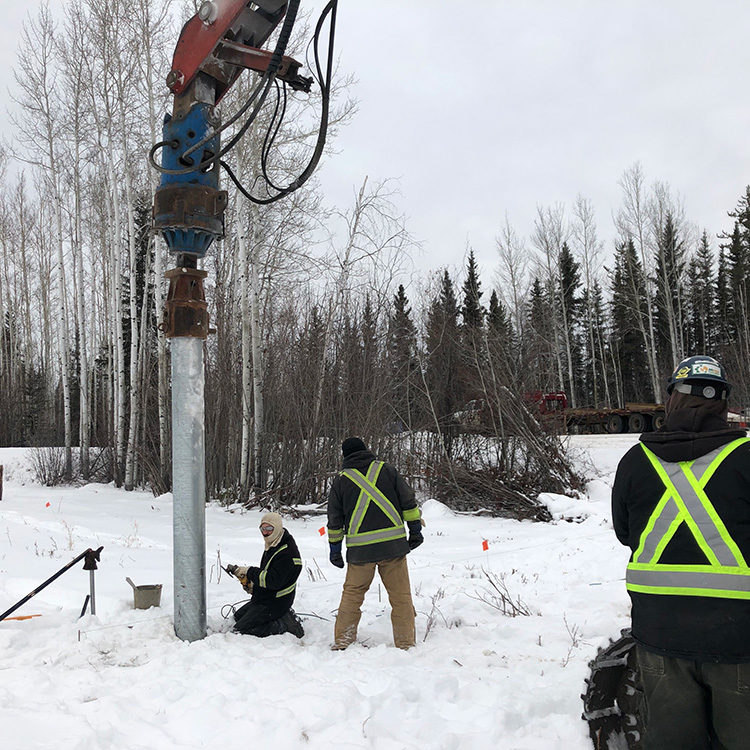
(395, 577)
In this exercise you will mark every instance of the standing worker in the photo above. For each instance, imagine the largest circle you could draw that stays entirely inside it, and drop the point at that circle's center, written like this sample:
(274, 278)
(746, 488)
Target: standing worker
(368, 504)
(271, 585)
(681, 502)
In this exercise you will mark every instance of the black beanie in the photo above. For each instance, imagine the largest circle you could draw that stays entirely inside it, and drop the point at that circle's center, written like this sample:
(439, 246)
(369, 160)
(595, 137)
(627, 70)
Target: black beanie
(352, 445)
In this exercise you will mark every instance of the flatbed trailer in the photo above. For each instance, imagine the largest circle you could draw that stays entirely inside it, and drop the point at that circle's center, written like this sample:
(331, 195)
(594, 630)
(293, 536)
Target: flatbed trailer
(633, 417)
(630, 418)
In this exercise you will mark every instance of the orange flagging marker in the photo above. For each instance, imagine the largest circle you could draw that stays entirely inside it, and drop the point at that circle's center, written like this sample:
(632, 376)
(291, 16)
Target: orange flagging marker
(22, 617)
(485, 545)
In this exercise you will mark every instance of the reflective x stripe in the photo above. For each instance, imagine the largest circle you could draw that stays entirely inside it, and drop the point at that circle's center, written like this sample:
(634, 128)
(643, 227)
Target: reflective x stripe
(726, 573)
(368, 493)
(262, 576)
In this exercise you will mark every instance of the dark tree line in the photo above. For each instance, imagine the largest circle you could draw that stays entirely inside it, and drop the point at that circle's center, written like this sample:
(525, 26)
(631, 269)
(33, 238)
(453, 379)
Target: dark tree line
(312, 345)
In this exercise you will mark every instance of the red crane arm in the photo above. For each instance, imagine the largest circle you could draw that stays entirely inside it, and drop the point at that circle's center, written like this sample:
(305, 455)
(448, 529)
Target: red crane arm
(222, 40)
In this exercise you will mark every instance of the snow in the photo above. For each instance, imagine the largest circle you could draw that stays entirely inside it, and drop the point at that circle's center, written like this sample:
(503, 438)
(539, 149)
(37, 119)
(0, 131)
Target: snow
(477, 679)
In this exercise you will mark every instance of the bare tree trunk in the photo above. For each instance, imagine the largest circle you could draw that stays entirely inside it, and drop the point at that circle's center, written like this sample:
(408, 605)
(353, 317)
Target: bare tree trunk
(119, 334)
(246, 324)
(41, 130)
(259, 483)
(336, 305)
(513, 273)
(548, 238)
(632, 224)
(150, 27)
(589, 249)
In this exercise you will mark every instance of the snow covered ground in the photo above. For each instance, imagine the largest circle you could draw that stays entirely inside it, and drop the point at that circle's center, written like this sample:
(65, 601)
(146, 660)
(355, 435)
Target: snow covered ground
(121, 680)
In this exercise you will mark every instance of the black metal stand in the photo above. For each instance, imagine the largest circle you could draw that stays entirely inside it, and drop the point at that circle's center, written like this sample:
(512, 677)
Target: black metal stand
(91, 558)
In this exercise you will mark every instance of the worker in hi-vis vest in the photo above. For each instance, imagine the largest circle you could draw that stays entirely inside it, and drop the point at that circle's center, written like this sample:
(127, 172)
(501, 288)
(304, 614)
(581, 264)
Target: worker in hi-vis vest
(367, 506)
(681, 502)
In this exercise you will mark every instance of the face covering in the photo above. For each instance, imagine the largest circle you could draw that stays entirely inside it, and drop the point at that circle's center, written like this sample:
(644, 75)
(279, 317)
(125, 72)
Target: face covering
(273, 519)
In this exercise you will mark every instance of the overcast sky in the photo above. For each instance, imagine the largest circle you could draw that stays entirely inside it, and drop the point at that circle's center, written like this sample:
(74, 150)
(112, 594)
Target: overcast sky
(482, 108)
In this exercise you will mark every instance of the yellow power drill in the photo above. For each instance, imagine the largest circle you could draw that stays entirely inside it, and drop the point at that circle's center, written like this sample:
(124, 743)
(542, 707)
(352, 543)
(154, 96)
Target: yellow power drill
(240, 573)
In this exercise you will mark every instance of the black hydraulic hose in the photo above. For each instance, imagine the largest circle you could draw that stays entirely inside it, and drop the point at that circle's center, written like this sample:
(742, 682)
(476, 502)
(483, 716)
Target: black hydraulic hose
(271, 134)
(26, 598)
(325, 84)
(268, 78)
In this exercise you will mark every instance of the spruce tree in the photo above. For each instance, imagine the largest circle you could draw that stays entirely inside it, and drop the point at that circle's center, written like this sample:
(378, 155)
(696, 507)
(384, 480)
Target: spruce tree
(627, 313)
(443, 356)
(704, 258)
(500, 340)
(593, 366)
(539, 370)
(700, 336)
(472, 312)
(669, 313)
(403, 364)
(723, 303)
(500, 327)
(570, 306)
(472, 334)
(738, 266)
(736, 350)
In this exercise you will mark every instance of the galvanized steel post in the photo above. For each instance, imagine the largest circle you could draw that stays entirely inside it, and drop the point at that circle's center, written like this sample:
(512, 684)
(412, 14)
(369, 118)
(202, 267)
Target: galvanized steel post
(188, 489)
(188, 211)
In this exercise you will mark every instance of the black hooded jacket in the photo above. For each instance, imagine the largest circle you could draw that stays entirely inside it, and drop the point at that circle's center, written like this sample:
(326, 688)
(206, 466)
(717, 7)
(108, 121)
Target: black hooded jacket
(343, 497)
(699, 628)
(282, 565)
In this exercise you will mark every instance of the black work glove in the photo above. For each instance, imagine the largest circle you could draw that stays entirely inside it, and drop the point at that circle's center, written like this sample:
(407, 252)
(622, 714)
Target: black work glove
(415, 534)
(335, 555)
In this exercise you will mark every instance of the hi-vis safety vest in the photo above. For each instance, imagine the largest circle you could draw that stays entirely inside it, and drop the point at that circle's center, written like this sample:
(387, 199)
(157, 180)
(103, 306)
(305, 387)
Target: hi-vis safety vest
(369, 494)
(724, 574)
(264, 573)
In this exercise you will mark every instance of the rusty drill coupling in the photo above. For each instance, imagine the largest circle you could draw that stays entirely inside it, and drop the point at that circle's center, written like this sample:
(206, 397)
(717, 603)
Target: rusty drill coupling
(186, 312)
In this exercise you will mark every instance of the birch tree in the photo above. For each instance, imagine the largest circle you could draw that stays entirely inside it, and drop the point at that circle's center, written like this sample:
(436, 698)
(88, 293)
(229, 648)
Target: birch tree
(513, 275)
(588, 249)
(39, 128)
(632, 223)
(550, 232)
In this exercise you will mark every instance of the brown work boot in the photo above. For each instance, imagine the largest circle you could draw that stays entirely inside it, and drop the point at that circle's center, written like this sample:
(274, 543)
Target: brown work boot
(343, 638)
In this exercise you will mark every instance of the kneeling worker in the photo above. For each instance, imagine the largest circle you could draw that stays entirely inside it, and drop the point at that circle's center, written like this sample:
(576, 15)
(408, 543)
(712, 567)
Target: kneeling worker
(272, 584)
